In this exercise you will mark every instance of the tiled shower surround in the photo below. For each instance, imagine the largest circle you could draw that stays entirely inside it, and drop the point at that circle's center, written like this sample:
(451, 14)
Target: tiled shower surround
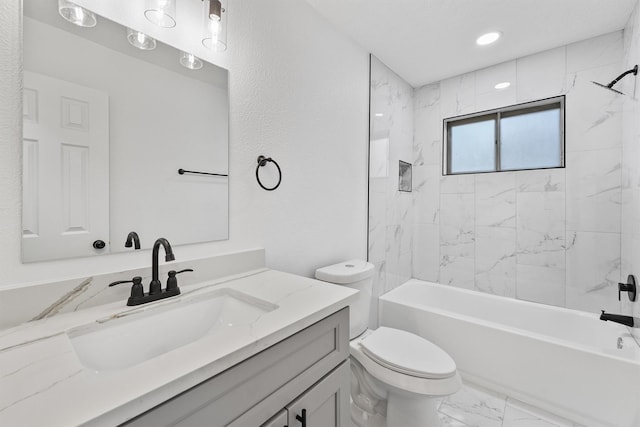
(630, 164)
(551, 236)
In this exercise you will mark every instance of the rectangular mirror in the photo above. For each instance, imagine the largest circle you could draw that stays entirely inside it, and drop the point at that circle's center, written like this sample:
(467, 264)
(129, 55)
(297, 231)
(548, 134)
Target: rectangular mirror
(107, 126)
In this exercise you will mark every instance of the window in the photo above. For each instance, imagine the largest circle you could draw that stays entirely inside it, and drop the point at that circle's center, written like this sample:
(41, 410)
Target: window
(525, 136)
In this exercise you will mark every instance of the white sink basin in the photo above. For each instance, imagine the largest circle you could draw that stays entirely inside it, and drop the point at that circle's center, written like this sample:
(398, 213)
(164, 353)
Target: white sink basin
(138, 335)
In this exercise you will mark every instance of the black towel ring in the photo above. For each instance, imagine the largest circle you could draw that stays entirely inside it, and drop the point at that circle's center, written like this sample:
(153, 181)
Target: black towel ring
(262, 161)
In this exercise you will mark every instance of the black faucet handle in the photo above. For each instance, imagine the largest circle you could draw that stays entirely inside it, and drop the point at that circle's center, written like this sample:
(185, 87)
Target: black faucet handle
(172, 281)
(629, 287)
(119, 282)
(136, 290)
(173, 272)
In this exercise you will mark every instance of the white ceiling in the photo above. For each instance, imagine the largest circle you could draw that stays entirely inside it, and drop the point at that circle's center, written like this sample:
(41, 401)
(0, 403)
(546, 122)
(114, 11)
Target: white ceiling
(427, 40)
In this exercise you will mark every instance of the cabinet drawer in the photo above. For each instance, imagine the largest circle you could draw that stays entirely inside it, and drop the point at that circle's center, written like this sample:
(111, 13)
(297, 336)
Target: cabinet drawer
(262, 379)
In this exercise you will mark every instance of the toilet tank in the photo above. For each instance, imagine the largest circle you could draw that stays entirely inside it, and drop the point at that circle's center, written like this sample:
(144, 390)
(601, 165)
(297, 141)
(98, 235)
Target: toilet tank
(356, 274)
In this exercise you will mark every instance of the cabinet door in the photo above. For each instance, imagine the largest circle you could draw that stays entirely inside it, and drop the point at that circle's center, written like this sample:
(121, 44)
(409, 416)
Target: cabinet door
(279, 420)
(326, 404)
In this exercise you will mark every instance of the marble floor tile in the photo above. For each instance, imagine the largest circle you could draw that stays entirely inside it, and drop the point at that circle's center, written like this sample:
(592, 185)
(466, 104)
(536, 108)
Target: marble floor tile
(475, 407)
(514, 417)
(519, 414)
(450, 422)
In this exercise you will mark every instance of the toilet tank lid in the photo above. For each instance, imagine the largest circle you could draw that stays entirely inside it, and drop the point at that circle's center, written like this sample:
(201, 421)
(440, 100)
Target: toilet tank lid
(345, 272)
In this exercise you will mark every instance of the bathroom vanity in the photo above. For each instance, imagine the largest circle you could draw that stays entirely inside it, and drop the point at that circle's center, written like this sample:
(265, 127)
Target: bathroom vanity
(304, 377)
(257, 348)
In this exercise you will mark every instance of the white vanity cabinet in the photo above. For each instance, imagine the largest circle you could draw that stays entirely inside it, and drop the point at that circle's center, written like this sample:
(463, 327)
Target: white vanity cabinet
(307, 373)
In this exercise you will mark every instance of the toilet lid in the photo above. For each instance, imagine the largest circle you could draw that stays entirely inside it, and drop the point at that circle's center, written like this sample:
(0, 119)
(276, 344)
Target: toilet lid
(407, 353)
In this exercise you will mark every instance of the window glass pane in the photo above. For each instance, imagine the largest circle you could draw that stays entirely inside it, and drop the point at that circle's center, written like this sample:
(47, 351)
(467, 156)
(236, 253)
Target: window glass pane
(472, 147)
(531, 140)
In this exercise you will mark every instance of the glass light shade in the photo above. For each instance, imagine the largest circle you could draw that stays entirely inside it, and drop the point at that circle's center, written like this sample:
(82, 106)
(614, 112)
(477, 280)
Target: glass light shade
(161, 13)
(214, 29)
(190, 61)
(140, 40)
(75, 14)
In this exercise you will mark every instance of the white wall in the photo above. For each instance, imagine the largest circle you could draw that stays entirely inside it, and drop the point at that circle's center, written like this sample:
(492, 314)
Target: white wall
(298, 93)
(550, 236)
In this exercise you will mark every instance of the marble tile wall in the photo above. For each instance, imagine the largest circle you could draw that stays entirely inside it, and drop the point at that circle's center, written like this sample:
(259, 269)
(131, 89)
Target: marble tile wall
(630, 217)
(390, 211)
(550, 236)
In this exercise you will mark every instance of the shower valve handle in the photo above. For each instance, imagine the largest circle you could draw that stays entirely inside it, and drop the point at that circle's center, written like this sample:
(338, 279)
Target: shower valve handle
(629, 288)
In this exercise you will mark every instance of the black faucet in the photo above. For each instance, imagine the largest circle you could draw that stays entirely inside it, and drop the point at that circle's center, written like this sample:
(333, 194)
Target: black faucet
(618, 318)
(155, 287)
(132, 240)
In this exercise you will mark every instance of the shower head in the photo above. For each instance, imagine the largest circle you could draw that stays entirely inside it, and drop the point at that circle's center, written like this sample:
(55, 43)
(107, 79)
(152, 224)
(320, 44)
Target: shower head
(607, 87)
(633, 71)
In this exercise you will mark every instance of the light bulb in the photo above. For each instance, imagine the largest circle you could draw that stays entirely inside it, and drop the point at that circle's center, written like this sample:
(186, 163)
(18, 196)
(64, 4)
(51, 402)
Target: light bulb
(214, 31)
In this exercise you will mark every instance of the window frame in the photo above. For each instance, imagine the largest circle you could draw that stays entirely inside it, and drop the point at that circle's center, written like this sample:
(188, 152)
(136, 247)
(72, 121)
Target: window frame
(496, 114)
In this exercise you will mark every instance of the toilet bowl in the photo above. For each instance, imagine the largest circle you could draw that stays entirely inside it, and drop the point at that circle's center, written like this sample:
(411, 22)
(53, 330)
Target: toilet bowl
(396, 377)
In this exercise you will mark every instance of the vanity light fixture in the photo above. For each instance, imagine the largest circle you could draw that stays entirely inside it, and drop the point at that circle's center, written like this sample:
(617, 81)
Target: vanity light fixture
(140, 40)
(488, 38)
(76, 15)
(502, 85)
(161, 13)
(214, 25)
(190, 61)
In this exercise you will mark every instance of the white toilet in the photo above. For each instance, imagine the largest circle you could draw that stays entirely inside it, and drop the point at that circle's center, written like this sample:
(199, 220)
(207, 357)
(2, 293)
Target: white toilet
(397, 377)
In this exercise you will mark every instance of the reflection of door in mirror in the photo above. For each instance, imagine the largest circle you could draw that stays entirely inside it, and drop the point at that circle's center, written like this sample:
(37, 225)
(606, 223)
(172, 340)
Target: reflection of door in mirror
(65, 169)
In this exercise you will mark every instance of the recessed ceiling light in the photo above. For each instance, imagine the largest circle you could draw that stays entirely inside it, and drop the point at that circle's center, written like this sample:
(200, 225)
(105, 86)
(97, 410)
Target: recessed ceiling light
(140, 40)
(488, 38)
(502, 85)
(379, 114)
(76, 14)
(190, 61)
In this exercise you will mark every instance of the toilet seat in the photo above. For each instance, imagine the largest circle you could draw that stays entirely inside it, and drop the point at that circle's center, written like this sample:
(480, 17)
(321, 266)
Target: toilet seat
(407, 353)
(394, 376)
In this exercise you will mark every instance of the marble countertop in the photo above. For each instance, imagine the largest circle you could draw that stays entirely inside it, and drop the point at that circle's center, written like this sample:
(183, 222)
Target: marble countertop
(42, 381)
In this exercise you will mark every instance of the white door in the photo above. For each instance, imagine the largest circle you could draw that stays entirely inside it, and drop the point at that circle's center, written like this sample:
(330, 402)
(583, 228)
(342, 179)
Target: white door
(65, 169)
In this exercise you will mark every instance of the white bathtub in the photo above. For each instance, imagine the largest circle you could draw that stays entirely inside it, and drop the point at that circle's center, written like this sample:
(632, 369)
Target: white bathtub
(564, 361)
